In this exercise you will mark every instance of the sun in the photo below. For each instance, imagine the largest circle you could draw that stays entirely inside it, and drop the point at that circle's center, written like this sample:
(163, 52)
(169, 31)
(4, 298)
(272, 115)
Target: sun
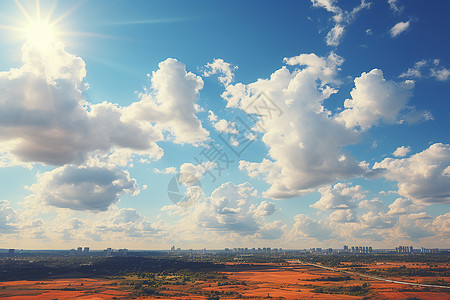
(37, 29)
(40, 34)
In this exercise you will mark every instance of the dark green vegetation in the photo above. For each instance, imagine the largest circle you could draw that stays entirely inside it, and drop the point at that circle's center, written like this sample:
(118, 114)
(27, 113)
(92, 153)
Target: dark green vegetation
(35, 268)
(354, 290)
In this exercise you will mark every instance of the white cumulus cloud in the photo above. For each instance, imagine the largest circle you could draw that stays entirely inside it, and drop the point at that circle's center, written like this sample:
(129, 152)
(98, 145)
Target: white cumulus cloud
(423, 177)
(91, 187)
(171, 103)
(219, 66)
(341, 196)
(8, 218)
(375, 100)
(402, 151)
(297, 161)
(399, 28)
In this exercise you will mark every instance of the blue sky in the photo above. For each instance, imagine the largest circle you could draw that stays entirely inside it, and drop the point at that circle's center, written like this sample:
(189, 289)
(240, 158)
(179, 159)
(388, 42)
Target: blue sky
(105, 103)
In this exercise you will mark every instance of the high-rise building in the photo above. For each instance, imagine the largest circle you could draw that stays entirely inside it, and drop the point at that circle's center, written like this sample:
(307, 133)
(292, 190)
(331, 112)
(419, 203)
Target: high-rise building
(108, 251)
(123, 252)
(345, 248)
(11, 252)
(86, 251)
(79, 250)
(404, 249)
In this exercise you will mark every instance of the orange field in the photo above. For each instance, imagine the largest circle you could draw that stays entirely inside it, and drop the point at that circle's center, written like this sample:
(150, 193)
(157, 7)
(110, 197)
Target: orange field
(251, 281)
(72, 288)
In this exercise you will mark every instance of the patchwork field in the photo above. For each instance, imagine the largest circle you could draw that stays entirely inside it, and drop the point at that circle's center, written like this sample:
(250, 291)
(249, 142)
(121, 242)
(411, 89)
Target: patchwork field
(293, 280)
(70, 288)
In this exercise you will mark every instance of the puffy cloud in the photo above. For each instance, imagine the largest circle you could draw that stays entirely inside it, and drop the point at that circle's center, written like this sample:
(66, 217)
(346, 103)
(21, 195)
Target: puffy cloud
(343, 216)
(171, 103)
(298, 161)
(228, 210)
(341, 18)
(414, 226)
(264, 209)
(341, 196)
(442, 225)
(219, 66)
(375, 216)
(375, 100)
(190, 174)
(403, 206)
(212, 117)
(222, 125)
(402, 151)
(8, 218)
(92, 187)
(119, 227)
(399, 28)
(271, 231)
(44, 116)
(120, 223)
(423, 177)
(305, 226)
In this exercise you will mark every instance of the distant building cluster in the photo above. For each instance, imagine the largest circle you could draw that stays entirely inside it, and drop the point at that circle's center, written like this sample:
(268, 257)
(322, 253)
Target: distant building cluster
(254, 250)
(79, 251)
(107, 252)
(173, 249)
(114, 252)
(404, 249)
(434, 250)
(320, 250)
(358, 249)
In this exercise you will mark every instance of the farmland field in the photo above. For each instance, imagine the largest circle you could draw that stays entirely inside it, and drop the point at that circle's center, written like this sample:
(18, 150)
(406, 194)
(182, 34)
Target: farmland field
(292, 279)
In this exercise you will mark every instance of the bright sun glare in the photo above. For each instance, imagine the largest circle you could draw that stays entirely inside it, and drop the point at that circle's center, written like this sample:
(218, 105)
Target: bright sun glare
(40, 34)
(36, 29)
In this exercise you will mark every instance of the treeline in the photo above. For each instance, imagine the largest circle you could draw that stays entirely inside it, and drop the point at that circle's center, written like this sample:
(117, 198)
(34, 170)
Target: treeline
(354, 290)
(37, 268)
